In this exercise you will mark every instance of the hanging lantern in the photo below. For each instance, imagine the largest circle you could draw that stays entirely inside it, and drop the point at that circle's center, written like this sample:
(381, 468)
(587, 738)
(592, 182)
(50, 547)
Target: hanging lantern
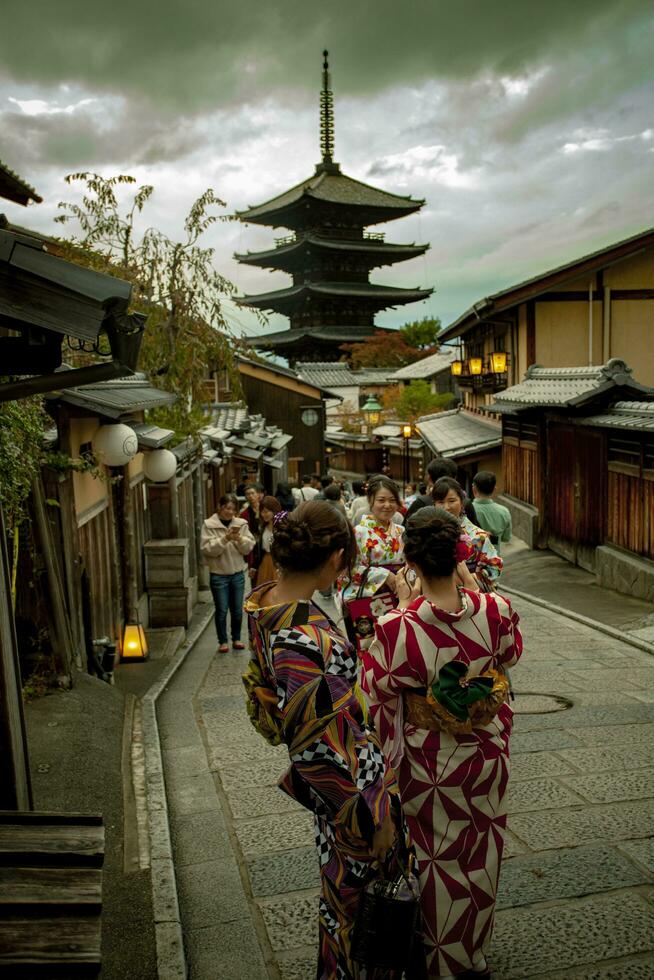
(160, 465)
(498, 362)
(475, 364)
(406, 431)
(457, 367)
(135, 645)
(115, 445)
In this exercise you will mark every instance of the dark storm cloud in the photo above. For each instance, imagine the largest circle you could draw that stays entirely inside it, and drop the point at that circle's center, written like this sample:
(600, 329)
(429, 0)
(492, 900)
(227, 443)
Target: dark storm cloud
(193, 55)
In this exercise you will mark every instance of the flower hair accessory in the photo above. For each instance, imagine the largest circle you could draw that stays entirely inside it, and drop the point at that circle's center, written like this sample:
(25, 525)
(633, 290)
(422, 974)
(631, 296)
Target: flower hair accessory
(278, 516)
(464, 549)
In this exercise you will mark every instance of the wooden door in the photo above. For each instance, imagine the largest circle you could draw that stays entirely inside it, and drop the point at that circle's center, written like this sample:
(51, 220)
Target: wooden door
(576, 492)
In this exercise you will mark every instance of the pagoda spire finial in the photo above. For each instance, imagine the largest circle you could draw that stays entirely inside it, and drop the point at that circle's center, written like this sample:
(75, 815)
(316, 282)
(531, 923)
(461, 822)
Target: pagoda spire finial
(326, 115)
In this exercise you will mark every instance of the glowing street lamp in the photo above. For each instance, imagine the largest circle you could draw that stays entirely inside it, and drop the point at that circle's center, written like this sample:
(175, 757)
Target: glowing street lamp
(406, 431)
(372, 410)
(475, 364)
(498, 362)
(457, 367)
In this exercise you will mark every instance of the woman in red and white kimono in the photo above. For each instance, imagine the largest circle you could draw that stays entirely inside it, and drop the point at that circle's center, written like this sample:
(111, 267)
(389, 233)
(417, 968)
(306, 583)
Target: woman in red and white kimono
(434, 678)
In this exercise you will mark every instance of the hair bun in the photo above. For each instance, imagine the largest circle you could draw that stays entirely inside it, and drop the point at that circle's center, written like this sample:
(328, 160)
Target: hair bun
(431, 540)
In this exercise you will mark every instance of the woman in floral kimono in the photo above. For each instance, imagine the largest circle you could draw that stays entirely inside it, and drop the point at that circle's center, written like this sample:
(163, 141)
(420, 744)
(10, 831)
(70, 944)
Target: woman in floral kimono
(380, 552)
(337, 767)
(485, 562)
(434, 678)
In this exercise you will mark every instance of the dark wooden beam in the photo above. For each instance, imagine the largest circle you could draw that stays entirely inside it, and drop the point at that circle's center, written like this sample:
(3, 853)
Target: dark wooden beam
(63, 379)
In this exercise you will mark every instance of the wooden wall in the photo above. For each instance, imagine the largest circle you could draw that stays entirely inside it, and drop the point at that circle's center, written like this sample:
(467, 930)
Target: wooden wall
(283, 406)
(521, 467)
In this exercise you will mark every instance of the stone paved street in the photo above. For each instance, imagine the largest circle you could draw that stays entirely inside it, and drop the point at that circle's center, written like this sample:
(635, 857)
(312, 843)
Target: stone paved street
(577, 890)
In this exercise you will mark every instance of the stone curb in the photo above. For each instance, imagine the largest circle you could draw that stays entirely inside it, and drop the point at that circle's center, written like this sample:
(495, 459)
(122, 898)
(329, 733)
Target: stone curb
(585, 620)
(171, 958)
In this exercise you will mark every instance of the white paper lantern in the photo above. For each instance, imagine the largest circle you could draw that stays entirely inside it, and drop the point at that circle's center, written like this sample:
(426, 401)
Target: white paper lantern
(160, 465)
(115, 445)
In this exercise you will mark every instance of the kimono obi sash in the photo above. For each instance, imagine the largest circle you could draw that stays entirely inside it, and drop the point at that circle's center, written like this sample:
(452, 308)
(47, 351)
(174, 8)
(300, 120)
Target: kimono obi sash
(424, 711)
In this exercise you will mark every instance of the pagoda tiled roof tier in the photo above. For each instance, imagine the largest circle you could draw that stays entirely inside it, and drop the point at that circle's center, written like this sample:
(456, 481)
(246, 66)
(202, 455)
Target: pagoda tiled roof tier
(326, 192)
(369, 252)
(367, 294)
(323, 341)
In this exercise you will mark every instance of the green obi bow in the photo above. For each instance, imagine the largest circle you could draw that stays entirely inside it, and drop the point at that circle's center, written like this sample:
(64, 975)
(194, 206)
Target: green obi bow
(455, 696)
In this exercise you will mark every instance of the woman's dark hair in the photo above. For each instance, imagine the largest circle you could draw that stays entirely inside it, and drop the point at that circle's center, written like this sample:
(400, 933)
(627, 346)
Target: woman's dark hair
(430, 540)
(440, 466)
(377, 483)
(285, 496)
(443, 486)
(228, 498)
(270, 503)
(332, 492)
(304, 539)
(358, 487)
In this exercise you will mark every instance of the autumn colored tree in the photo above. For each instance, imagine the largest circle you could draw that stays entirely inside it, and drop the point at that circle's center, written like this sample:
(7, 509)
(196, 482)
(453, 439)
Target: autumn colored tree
(396, 348)
(175, 283)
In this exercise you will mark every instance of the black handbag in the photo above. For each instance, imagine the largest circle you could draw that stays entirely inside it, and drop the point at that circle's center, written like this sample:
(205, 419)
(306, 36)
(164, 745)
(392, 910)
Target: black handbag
(386, 931)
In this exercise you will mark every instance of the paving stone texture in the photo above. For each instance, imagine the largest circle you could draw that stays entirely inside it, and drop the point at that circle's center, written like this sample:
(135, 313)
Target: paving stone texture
(576, 899)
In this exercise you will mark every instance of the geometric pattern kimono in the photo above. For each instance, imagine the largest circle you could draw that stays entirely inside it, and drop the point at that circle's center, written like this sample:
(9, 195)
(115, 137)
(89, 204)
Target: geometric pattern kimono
(452, 786)
(337, 767)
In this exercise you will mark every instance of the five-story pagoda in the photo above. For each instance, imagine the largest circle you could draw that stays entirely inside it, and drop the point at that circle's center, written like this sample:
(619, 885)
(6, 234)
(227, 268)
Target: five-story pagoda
(329, 255)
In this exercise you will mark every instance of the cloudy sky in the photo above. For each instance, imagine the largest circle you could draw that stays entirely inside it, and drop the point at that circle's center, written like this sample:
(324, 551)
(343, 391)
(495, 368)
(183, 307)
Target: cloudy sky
(527, 125)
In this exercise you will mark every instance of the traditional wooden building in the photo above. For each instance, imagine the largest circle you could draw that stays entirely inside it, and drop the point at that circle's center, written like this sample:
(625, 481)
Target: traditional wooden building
(595, 308)
(349, 387)
(473, 443)
(296, 406)
(436, 370)
(329, 256)
(578, 462)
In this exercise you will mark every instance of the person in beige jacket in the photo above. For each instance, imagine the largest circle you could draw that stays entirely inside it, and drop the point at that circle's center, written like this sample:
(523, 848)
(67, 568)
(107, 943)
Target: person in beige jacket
(225, 541)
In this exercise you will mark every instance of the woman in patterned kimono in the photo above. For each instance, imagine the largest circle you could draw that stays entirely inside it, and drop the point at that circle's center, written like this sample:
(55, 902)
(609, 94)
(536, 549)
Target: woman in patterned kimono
(485, 562)
(337, 767)
(434, 680)
(380, 552)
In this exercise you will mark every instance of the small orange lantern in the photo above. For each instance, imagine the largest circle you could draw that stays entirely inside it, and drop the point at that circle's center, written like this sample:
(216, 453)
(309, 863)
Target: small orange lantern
(406, 431)
(475, 364)
(457, 367)
(135, 645)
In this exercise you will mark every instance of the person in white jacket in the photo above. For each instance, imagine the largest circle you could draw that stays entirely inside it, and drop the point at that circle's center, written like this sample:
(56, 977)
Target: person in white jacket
(224, 542)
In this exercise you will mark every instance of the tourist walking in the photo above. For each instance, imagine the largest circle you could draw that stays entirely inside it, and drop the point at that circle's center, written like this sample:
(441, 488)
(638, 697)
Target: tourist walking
(438, 696)
(484, 562)
(286, 496)
(307, 491)
(224, 542)
(264, 566)
(337, 768)
(491, 516)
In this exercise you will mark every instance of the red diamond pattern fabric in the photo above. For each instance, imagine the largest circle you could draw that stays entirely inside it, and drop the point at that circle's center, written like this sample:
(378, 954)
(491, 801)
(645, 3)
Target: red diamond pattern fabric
(452, 787)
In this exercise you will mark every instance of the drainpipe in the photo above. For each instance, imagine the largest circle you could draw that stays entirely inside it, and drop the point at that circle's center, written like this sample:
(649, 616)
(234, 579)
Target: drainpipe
(590, 323)
(606, 331)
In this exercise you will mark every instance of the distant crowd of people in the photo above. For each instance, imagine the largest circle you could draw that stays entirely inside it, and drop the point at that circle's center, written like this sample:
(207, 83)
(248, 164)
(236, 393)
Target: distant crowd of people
(380, 647)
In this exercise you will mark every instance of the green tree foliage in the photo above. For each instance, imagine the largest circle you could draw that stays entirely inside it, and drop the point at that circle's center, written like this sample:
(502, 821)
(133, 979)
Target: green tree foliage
(416, 399)
(175, 283)
(21, 449)
(422, 334)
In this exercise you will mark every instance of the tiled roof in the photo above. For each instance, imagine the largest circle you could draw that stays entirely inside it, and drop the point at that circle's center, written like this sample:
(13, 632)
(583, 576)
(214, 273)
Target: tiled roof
(428, 366)
(333, 188)
(382, 253)
(564, 387)
(117, 398)
(638, 416)
(152, 436)
(323, 334)
(14, 188)
(385, 295)
(458, 433)
(339, 374)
